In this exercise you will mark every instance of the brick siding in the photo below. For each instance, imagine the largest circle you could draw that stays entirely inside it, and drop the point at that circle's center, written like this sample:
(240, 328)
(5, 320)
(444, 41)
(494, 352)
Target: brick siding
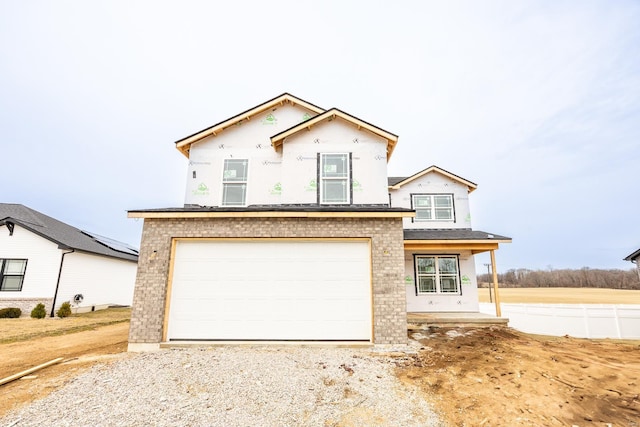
(389, 304)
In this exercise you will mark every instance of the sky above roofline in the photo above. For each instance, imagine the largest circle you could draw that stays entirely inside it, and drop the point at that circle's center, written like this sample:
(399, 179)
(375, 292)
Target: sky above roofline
(536, 102)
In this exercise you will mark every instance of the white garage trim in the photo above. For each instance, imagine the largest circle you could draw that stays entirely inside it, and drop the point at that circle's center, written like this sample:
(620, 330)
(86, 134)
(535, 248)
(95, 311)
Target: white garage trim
(288, 311)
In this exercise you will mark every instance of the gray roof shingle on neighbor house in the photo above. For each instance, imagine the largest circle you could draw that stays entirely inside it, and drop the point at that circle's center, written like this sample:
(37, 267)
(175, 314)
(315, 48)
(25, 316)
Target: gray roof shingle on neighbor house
(453, 234)
(633, 256)
(64, 235)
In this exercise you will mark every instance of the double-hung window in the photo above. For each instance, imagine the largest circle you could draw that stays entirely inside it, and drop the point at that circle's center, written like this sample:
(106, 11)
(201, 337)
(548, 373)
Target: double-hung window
(12, 274)
(436, 274)
(335, 178)
(234, 182)
(433, 207)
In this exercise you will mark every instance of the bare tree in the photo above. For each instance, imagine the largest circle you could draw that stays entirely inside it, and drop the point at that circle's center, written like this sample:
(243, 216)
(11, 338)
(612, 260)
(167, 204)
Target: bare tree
(583, 278)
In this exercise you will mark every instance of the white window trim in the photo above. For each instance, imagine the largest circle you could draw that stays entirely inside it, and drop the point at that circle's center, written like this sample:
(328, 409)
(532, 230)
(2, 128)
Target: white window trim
(347, 179)
(433, 207)
(245, 182)
(436, 275)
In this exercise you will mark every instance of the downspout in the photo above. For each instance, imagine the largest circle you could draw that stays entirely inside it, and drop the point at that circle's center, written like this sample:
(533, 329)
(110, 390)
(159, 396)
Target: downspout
(55, 295)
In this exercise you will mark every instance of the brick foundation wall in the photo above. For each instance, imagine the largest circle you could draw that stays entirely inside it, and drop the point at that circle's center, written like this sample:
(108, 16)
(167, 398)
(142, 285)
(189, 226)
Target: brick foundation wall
(389, 304)
(27, 304)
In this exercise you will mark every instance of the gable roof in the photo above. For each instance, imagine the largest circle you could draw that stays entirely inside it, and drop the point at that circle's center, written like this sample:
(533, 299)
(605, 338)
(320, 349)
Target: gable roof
(632, 257)
(396, 182)
(392, 139)
(184, 144)
(64, 235)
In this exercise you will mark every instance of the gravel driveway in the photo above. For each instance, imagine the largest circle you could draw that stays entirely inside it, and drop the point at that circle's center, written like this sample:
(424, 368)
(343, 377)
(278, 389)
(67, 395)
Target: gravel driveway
(235, 386)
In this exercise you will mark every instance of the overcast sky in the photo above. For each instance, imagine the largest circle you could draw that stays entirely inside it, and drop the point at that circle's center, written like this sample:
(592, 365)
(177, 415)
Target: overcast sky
(538, 102)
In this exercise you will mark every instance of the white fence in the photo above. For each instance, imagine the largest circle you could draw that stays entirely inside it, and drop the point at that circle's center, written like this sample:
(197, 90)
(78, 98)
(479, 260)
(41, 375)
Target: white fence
(620, 321)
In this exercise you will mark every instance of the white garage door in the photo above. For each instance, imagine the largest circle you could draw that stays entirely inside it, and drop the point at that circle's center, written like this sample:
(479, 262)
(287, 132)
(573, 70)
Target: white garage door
(270, 290)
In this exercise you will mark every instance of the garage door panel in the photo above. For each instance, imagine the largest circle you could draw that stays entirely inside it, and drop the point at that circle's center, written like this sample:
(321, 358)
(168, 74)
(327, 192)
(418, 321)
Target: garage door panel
(274, 330)
(270, 290)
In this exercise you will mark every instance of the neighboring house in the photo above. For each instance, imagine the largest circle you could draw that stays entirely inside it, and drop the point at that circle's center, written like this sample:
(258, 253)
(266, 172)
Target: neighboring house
(43, 260)
(291, 230)
(634, 259)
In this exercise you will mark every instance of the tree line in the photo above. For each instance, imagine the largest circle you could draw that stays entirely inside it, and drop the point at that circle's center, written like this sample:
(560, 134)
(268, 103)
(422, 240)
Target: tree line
(583, 278)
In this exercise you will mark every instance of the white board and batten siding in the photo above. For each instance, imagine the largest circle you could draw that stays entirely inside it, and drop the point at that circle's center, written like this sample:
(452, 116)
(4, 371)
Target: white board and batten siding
(101, 280)
(270, 289)
(43, 262)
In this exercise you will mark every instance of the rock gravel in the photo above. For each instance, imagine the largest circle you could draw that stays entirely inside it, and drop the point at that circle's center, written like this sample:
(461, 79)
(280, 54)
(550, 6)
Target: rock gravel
(236, 386)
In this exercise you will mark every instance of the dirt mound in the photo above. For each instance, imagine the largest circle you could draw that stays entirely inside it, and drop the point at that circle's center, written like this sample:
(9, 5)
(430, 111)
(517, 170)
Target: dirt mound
(500, 377)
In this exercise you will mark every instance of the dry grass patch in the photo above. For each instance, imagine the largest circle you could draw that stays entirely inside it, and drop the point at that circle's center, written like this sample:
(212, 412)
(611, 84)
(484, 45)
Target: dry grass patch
(564, 295)
(26, 328)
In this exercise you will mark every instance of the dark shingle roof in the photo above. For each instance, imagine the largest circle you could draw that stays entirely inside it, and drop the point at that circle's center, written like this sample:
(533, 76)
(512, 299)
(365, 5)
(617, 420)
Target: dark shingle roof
(64, 235)
(393, 180)
(452, 234)
(633, 256)
(280, 208)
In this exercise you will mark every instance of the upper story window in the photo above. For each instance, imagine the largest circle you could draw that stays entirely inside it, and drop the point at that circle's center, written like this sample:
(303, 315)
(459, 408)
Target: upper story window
(335, 177)
(234, 182)
(433, 207)
(436, 274)
(12, 274)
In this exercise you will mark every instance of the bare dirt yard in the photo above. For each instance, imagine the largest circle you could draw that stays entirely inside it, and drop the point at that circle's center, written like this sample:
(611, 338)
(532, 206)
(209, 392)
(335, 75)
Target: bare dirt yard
(500, 377)
(473, 376)
(82, 340)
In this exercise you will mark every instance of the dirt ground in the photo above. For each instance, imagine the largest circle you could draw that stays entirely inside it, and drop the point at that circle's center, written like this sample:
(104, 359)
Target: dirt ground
(80, 350)
(500, 377)
(473, 377)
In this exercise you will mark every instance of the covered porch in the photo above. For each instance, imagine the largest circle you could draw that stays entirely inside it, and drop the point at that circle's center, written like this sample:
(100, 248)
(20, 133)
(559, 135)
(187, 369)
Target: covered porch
(448, 304)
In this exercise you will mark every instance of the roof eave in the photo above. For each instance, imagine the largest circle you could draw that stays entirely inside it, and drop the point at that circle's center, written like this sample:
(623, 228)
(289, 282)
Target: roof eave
(477, 246)
(471, 186)
(183, 145)
(63, 246)
(36, 232)
(278, 140)
(456, 241)
(270, 214)
(632, 257)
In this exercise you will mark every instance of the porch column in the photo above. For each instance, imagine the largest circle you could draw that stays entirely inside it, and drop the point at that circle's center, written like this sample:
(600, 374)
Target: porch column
(495, 283)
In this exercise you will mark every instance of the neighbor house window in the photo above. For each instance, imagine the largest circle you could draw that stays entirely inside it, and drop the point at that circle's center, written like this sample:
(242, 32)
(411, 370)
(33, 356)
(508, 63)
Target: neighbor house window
(234, 182)
(334, 178)
(433, 207)
(12, 274)
(437, 274)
